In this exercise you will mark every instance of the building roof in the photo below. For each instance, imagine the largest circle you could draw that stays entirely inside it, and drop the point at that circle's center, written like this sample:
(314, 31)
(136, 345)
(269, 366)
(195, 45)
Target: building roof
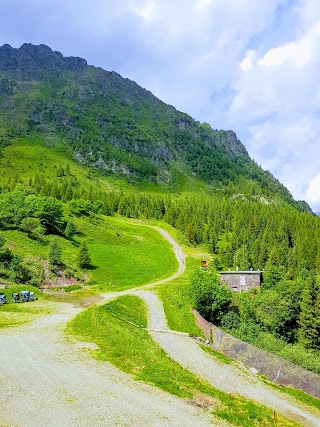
(241, 272)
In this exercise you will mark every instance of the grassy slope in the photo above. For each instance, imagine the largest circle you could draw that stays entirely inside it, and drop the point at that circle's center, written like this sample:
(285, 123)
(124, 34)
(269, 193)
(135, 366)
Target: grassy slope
(128, 255)
(123, 255)
(27, 157)
(132, 350)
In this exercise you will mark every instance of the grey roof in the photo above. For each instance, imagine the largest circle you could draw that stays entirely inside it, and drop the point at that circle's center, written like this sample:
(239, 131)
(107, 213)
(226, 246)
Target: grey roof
(241, 272)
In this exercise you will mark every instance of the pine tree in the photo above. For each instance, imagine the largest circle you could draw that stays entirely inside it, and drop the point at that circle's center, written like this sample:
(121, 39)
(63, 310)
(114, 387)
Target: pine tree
(70, 230)
(316, 343)
(55, 253)
(83, 256)
(309, 324)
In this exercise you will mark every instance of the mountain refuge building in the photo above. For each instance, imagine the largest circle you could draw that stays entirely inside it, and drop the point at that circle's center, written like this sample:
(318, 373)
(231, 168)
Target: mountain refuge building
(241, 281)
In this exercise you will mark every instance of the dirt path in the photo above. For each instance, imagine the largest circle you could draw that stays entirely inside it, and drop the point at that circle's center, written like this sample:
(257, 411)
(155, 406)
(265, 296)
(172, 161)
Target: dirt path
(228, 378)
(187, 353)
(47, 381)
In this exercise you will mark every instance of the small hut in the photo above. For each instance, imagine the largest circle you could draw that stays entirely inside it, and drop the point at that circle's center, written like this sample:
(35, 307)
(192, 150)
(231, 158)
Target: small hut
(241, 281)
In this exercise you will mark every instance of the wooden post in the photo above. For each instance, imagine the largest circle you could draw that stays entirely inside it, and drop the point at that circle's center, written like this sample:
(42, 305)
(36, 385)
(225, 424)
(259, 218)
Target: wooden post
(274, 415)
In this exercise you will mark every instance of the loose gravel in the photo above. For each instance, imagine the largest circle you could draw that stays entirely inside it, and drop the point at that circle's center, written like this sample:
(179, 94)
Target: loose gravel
(47, 380)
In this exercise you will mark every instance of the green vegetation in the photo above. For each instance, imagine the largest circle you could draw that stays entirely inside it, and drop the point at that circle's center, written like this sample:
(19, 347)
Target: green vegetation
(122, 255)
(132, 350)
(268, 318)
(297, 394)
(175, 297)
(113, 125)
(84, 259)
(129, 309)
(126, 255)
(80, 149)
(55, 253)
(217, 355)
(208, 296)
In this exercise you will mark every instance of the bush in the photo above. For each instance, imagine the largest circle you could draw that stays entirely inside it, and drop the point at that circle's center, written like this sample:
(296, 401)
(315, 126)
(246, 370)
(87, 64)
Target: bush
(208, 296)
(33, 227)
(230, 321)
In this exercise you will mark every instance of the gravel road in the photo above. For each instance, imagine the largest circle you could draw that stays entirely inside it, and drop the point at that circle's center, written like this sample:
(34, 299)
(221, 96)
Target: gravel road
(229, 378)
(47, 380)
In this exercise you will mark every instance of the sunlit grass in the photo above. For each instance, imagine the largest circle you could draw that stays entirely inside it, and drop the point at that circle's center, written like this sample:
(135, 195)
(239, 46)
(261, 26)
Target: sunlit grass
(123, 255)
(130, 348)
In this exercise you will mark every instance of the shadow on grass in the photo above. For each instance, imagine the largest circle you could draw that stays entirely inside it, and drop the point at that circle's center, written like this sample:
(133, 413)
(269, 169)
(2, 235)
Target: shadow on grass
(91, 267)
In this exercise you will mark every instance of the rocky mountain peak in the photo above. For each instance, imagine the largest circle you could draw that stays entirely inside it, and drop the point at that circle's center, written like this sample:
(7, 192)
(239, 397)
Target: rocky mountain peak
(33, 62)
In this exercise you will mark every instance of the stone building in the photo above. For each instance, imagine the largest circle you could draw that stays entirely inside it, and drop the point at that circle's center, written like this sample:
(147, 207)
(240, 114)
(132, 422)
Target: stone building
(239, 281)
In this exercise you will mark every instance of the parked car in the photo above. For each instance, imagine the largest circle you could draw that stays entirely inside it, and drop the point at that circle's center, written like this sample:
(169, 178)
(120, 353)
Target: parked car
(27, 296)
(3, 298)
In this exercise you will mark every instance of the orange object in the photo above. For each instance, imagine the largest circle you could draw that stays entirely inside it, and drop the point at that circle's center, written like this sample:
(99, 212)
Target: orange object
(204, 264)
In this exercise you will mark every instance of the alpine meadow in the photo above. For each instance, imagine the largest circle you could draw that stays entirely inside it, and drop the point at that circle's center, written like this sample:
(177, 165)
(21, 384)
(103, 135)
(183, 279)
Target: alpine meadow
(96, 175)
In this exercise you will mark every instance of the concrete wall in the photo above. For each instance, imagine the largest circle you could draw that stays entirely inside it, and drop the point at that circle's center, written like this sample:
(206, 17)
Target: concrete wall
(241, 281)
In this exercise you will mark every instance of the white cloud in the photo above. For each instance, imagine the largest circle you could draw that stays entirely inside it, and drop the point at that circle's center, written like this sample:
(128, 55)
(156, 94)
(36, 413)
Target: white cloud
(298, 53)
(146, 11)
(277, 106)
(248, 66)
(313, 191)
(247, 62)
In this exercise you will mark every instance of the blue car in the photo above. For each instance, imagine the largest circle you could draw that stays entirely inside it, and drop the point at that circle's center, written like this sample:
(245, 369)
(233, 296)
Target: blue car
(3, 298)
(27, 296)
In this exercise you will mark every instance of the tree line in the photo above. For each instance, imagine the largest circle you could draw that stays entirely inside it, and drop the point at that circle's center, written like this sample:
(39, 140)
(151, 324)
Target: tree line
(273, 237)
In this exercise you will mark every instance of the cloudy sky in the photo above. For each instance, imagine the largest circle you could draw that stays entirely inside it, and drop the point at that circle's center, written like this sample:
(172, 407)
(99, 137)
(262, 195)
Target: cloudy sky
(247, 65)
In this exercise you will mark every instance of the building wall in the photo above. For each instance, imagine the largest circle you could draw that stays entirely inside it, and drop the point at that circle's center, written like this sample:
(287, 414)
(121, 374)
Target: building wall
(238, 282)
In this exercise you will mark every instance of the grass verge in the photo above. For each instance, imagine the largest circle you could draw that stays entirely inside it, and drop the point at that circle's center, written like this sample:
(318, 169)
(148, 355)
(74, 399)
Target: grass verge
(175, 297)
(297, 394)
(217, 355)
(132, 350)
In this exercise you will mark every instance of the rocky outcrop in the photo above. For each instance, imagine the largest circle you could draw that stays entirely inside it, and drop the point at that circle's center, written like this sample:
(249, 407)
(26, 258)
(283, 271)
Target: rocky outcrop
(31, 62)
(113, 124)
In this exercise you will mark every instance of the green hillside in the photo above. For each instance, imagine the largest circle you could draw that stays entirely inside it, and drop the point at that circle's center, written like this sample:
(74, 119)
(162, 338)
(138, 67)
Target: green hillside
(113, 125)
(81, 149)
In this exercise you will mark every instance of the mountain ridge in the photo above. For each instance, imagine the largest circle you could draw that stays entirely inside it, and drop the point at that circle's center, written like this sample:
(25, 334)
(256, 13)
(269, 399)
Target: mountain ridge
(112, 124)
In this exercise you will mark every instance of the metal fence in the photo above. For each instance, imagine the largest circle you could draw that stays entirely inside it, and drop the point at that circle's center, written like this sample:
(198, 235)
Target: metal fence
(270, 365)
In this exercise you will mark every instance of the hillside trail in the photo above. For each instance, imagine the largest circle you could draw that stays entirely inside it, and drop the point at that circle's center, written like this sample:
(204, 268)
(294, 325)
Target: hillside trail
(185, 350)
(48, 380)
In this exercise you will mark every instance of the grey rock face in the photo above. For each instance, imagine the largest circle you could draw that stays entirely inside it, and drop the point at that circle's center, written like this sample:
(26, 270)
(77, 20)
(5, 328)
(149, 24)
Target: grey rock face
(36, 62)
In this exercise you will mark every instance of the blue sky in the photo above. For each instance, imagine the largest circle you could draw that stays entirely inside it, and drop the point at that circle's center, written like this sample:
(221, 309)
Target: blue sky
(250, 66)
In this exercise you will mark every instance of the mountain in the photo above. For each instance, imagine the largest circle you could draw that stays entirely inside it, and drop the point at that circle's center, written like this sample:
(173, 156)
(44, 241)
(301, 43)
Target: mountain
(112, 124)
(83, 149)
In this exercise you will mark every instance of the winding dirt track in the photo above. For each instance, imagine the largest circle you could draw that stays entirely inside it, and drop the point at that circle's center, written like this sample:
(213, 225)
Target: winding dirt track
(47, 381)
